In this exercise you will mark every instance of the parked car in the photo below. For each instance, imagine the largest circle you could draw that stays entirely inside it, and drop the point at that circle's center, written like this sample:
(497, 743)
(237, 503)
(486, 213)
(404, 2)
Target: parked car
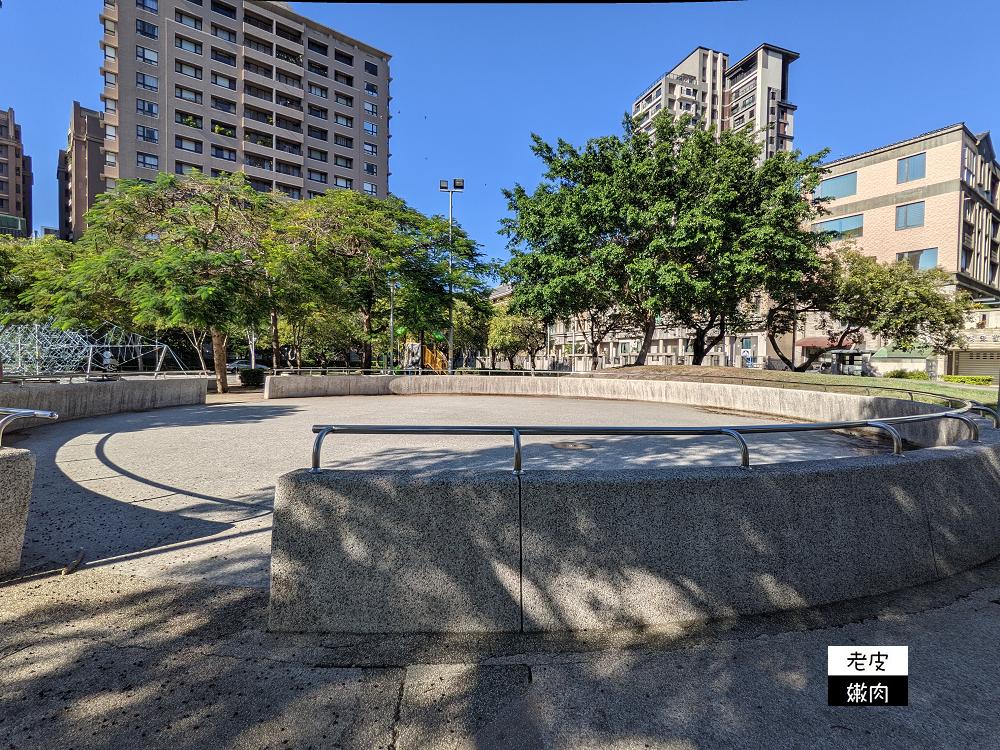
(243, 364)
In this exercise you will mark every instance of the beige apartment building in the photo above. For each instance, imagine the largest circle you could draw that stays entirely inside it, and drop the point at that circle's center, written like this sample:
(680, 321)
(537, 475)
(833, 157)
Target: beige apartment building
(16, 179)
(81, 170)
(221, 86)
(695, 87)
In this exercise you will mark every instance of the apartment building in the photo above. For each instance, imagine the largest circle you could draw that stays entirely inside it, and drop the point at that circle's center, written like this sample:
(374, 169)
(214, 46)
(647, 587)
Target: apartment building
(80, 171)
(751, 93)
(224, 85)
(16, 179)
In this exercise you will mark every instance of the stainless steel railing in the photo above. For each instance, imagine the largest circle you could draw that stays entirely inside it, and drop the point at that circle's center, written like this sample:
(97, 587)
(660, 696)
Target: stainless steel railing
(9, 415)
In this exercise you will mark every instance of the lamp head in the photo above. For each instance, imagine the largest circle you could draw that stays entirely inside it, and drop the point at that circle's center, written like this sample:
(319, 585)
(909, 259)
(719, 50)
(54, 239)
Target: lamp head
(458, 184)
(443, 185)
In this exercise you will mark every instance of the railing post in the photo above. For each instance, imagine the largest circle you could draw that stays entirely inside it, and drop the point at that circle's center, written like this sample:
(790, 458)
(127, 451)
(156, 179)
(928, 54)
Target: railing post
(744, 448)
(897, 441)
(517, 450)
(317, 447)
(973, 427)
(986, 411)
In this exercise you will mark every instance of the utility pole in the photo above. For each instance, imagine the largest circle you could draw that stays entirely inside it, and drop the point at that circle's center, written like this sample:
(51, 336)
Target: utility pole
(392, 327)
(457, 186)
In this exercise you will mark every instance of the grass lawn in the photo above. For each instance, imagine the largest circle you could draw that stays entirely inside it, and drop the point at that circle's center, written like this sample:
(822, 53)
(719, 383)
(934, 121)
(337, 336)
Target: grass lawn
(784, 379)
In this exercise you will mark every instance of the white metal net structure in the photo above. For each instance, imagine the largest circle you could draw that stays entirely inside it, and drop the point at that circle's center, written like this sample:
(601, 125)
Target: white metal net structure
(42, 349)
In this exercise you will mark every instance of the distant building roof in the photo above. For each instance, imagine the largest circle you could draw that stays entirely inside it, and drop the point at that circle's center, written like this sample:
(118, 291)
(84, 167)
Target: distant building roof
(900, 143)
(500, 292)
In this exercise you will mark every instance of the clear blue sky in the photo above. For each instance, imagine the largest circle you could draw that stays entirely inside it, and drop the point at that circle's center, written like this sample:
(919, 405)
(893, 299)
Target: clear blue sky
(471, 82)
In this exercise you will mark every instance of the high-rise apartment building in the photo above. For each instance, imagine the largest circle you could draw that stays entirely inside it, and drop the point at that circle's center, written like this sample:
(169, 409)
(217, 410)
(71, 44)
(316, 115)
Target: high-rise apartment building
(16, 179)
(227, 85)
(719, 96)
(81, 170)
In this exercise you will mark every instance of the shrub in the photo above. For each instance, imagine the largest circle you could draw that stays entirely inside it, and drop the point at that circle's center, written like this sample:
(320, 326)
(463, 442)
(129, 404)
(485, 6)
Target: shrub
(252, 377)
(970, 379)
(907, 374)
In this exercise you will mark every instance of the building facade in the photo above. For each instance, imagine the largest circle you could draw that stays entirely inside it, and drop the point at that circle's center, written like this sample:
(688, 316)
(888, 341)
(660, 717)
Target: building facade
(16, 179)
(696, 87)
(81, 170)
(221, 86)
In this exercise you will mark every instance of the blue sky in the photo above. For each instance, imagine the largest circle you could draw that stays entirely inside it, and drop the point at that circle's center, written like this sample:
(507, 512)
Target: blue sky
(472, 82)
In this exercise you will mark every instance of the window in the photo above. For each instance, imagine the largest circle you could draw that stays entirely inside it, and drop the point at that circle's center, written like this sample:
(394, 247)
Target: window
(147, 161)
(288, 147)
(315, 46)
(148, 135)
(223, 33)
(286, 33)
(224, 105)
(186, 144)
(314, 194)
(317, 176)
(187, 45)
(288, 56)
(143, 107)
(182, 168)
(318, 91)
(251, 113)
(371, 149)
(110, 53)
(293, 125)
(224, 81)
(150, 6)
(315, 153)
(289, 169)
(257, 44)
(371, 128)
(223, 57)
(370, 189)
(317, 133)
(371, 109)
(144, 55)
(347, 101)
(909, 216)
(372, 69)
(226, 10)
(292, 192)
(343, 140)
(911, 168)
(921, 260)
(846, 228)
(220, 172)
(110, 132)
(150, 83)
(343, 57)
(110, 80)
(221, 128)
(258, 162)
(184, 18)
(319, 112)
(187, 94)
(185, 118)
(261, 70)
(371, 169)
(110, 159)
(343, 182)
(288, 101)
(220, 152)
(343, 161)
(142, 28)
(257, 21)
(372, 90)
(257, 91)
(260, 186)
(838, 187)
(186, 69)
(289, 79)
(320, 70)
(258, 139)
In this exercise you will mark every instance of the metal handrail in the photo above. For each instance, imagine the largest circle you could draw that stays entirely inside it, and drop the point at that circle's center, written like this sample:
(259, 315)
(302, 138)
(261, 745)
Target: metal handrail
(9, 415)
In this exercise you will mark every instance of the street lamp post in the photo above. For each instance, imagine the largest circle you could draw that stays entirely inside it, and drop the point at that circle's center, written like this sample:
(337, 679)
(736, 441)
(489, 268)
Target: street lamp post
(457, 186)
(392, 328)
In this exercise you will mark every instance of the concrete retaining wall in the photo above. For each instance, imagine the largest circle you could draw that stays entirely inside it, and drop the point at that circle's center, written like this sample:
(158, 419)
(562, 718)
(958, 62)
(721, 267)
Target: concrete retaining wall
(359, 551)
(785, 403)
(17, 471)
(79, 400)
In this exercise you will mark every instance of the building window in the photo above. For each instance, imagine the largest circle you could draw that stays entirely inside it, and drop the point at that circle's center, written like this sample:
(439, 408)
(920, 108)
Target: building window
(147, 161)
(219, 152)
(221, 173)
(144, 55)
(224, 33)
(371, 128)
(186, 144)
(371, 68)
(343, 161)
(347, 101)
(288, 101)
(289, 147)
(258, 44)
(371, 109)
(144, 107)
(260, 70)
(111, 106)
(289, 79)
(186, 118)
(223, 57)
(258, 162)
(259, 139)
(343, 57)
(845, 228)
(250, 113)
(260, 185)
(343, 182)
(347, 122)
(839, 187)
(921, 260)
(317, 133)
(189, 95)
(370, 189)
(314, 194)
(258, 22)
(224, 105)
(372, 90)
(343, 140)
(187, 45)
(371, 169)
(909, 216)
(292, 192)
(288, 56)
(315, 153)
(184, 18)
(320, 70)
(294, 125)
(149, 135)
(110, 27)
(110, 53)
(110, 159)
(344, 79)
(187, 70)
(110, 80)
(371, 149)
(182, 168)
(224, 81)
(150, 83)
(110, 133)
(289, 169)
(317, 176)
(257, 91)
(911, 168)
(150, 6)
(226, 10)
(221, 128)
(318, 91)
(318, 48)
(319, 112)
(149, 30)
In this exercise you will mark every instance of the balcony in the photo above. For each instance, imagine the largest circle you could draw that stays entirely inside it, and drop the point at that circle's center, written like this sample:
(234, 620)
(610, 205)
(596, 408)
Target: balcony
(289, 35)
(289, 57)
(968, 242)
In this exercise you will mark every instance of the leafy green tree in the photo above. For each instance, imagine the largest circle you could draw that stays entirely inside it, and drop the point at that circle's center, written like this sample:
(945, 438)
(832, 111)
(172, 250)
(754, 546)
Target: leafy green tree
(511, 333)
(472, 325)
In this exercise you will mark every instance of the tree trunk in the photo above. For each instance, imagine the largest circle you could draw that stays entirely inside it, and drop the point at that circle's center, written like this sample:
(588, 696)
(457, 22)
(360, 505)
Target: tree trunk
(421, 367)
(275, 344)
(649, 328)
(219, 355)
(366, 349)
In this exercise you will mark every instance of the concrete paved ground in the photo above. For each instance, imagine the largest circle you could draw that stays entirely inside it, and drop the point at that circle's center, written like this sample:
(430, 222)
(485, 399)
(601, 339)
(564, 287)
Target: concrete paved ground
(185, 493)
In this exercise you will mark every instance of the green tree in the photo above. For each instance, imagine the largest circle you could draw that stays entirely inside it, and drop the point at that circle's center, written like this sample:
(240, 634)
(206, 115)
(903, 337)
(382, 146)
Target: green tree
(511, 333)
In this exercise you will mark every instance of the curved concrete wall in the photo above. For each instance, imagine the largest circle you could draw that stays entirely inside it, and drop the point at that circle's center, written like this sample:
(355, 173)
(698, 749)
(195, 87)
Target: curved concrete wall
(79, 400)
(17, 471)
(361, 551)
(787, 403)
